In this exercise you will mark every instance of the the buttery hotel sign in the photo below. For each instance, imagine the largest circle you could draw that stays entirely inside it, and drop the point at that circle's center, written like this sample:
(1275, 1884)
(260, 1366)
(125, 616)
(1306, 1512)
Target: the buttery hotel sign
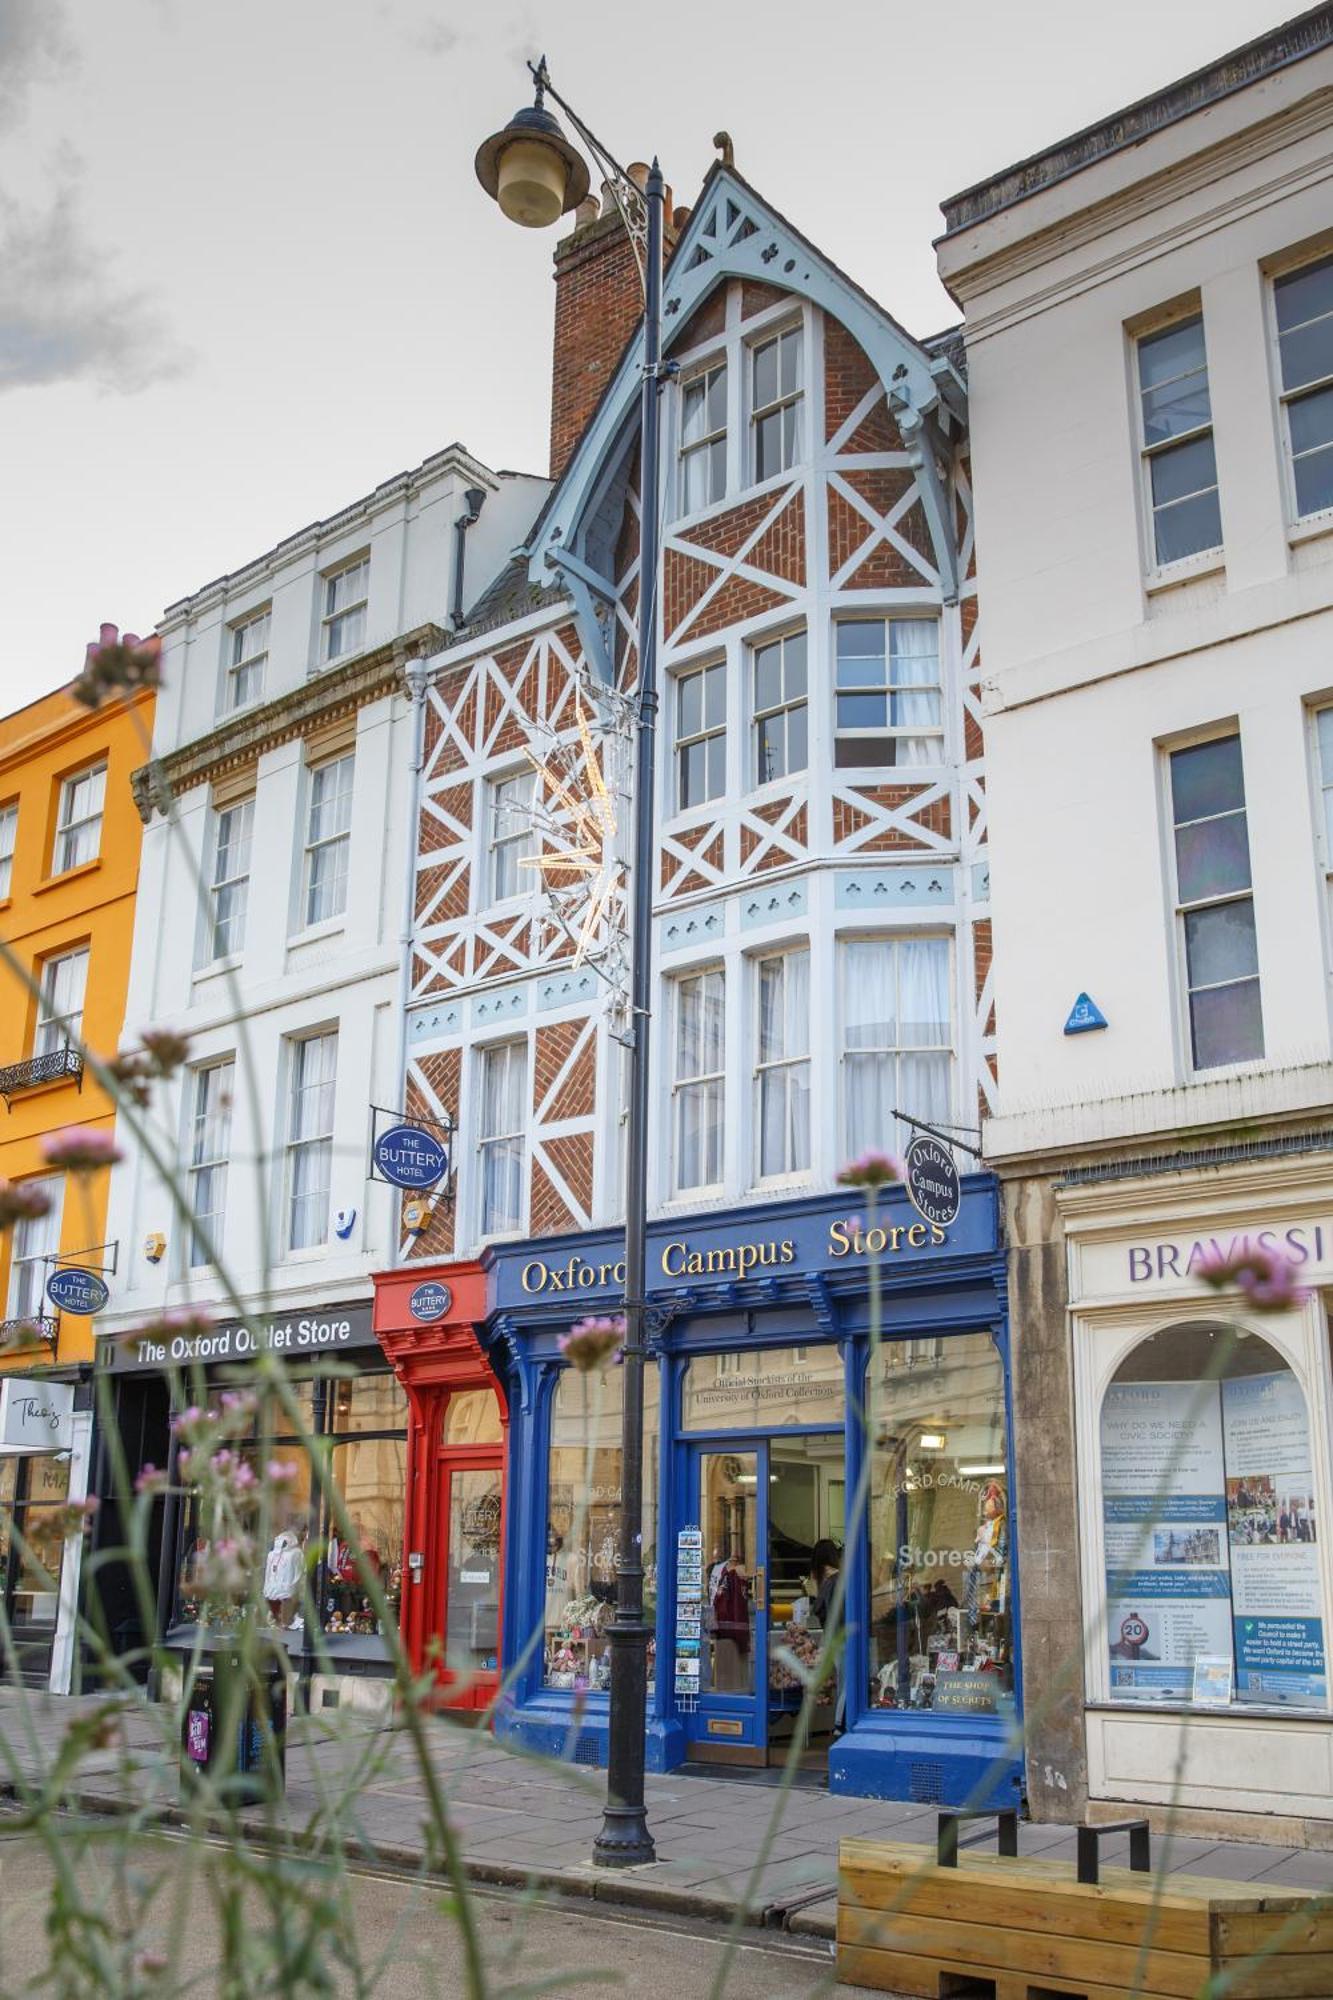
(320, 1330)
(743, 1248)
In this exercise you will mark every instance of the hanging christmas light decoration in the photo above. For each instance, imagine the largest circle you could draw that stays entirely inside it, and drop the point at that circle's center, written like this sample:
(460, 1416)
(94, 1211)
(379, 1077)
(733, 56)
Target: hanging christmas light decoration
(575, 820)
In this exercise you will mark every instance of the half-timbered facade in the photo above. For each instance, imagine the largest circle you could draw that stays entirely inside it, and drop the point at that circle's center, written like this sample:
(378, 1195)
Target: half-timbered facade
(822, 974)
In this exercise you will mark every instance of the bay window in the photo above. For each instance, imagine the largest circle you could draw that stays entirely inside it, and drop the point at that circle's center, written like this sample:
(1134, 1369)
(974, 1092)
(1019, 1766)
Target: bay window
(897, 1039)
(698, 1080)
(887, 697)
(781, 737)
(782, 1064)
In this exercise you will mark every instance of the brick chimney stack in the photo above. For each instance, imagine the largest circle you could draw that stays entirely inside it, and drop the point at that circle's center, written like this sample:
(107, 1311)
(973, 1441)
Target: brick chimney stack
(598, 301)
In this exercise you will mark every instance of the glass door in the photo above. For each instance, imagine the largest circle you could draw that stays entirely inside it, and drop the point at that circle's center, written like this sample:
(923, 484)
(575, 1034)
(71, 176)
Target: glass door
(471, 1508)
(728, 1719)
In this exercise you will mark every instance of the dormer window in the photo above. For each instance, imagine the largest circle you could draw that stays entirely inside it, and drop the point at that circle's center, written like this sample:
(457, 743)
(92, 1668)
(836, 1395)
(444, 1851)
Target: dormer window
(776, 398)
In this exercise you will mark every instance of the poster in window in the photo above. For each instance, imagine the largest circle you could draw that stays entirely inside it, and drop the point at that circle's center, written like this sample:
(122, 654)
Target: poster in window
(1168, 1586)
(1271, 1525)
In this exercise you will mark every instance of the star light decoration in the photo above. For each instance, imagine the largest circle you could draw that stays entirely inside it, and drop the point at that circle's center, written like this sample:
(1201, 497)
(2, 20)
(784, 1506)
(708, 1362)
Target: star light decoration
(575, 819)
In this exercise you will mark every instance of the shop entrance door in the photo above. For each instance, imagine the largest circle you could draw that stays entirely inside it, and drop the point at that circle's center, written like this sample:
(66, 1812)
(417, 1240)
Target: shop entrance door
(761, 1511)
(471, 1503)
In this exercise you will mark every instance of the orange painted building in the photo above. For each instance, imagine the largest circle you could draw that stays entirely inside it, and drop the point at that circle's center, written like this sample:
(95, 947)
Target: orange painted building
(69, 868)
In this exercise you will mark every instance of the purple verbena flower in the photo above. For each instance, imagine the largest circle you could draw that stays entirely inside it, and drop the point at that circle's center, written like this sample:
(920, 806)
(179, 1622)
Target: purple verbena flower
(81, 1149)
(872, 1170)
(592, 1343)
(1265, 1278)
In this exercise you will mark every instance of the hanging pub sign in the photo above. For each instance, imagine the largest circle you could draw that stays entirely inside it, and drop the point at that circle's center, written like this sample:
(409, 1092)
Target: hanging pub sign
(77, 1291)
(410, 1157)
(933, 1186)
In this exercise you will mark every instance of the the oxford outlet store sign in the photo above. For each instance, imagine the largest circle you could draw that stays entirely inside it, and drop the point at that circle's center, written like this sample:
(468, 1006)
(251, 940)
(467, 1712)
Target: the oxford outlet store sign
(303, 1333)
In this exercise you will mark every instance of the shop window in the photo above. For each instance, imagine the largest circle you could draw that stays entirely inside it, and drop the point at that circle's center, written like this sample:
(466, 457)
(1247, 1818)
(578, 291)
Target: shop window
(1212, 1577)
(472, 1416)
(763, 1389)
(941, 1565)
(896, 1037)
(33, 1493)
(363, 1448)
(582, 1522)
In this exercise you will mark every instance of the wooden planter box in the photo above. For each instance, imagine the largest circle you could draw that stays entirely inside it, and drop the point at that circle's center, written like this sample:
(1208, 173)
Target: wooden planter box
(1002, 1928)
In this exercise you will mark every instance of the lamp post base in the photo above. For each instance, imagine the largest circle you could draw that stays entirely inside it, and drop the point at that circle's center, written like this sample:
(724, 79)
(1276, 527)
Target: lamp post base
(624, 1841)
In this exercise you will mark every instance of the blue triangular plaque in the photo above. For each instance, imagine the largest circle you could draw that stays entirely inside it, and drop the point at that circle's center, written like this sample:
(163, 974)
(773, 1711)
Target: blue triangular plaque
(1084, 1016)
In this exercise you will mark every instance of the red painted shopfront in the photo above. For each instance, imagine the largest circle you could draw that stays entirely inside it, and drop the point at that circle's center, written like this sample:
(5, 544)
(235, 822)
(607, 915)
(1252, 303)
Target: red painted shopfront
(458, 1426)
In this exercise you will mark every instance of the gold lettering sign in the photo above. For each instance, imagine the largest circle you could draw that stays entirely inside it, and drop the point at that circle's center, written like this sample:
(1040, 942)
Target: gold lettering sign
(680, 1259)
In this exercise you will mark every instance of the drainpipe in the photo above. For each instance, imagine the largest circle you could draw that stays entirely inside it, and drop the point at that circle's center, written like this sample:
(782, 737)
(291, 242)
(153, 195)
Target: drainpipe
(473, 501)
(417, 675)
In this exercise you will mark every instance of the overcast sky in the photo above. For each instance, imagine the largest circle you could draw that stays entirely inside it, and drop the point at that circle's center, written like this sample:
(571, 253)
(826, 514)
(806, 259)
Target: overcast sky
(246, 271)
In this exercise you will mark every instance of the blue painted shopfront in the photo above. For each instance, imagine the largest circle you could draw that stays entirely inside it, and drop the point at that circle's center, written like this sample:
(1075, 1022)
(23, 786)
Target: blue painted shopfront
(772, 1431)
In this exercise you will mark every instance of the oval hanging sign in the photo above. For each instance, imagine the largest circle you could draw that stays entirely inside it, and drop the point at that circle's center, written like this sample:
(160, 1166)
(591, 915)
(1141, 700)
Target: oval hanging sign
(77, 1291)
(410, 1157)
(430, 1301)
(933, 1186)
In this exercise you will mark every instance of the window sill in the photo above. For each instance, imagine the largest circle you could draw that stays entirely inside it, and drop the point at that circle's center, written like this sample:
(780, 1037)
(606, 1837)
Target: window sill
(68, 875)
(1222, 1072)
(1310, 528)
(217, 968)
(311, 1253)
(313, 933)
(1209, 562)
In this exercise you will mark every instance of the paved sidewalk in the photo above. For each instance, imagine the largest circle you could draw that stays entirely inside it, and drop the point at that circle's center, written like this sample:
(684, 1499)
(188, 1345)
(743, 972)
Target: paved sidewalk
(521, 1821)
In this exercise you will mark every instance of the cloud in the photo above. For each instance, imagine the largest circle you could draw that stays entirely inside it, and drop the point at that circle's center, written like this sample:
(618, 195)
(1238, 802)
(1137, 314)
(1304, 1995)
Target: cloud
(64, 315)
(34, 46)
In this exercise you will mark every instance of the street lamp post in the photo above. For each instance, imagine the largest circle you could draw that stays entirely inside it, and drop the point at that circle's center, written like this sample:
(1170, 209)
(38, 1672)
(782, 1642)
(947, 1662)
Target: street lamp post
(536, 175)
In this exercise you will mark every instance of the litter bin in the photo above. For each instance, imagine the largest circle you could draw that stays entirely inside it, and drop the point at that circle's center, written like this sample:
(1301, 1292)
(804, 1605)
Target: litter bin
(234, 1726)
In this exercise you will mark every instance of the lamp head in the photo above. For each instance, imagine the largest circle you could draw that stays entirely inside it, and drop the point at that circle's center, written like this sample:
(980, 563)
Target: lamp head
(531, 169)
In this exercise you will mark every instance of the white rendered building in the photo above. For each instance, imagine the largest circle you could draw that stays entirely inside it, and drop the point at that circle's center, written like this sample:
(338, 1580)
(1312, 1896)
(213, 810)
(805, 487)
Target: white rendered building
(1149, 321)
(269, 925)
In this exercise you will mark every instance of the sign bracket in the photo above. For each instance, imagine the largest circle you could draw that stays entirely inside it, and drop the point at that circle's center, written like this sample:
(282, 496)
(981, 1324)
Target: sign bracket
(945, 1135)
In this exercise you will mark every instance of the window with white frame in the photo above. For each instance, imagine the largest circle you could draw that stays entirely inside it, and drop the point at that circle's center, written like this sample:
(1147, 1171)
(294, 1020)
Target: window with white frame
(60, 1016)
(247, 657)
(233, 838)
(328, 841)
(33, 1246)
(9, 833)
(698, 1079)
(79, 820)
(776, 397)
(1303, 305)
(701, 735)
(501, 1128)
(781, 735)
(512, 834)
(887, 701)
(1215, 904)
(1176, 442)
(344, 615)
(782, 1065)
(703, 438)
(210, 1146)
(897, 1039)
(314, 1071)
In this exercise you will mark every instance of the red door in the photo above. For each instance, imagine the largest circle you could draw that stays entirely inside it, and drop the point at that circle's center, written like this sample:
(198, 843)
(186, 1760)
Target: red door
(470, 1503)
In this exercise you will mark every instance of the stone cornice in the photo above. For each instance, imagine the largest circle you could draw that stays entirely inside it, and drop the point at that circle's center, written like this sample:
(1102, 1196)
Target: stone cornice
(239, 740)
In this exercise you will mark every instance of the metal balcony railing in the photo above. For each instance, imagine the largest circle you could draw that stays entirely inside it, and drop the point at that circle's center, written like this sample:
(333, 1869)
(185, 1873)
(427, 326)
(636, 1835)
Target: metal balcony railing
(52, 1068)
(37, 1329)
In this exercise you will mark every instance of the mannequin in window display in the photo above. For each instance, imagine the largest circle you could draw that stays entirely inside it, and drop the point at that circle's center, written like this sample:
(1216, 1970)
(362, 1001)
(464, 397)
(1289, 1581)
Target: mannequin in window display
(283, 1570)
(985, 1577)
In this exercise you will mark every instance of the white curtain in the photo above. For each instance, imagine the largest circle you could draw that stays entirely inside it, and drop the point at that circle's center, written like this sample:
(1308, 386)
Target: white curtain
(915, 675)
(897, 1037)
